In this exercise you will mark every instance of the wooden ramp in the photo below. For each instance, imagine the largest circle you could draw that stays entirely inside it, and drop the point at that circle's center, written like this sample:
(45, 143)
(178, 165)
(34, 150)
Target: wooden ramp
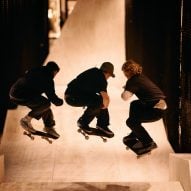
(94, 33)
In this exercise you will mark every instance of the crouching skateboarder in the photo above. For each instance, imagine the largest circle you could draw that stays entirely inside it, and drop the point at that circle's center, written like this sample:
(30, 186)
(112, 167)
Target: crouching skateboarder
(149, 106)
(28, 90)
(89, 89)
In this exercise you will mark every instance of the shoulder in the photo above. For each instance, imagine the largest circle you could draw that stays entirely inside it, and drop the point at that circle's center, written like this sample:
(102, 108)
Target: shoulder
(94, 69)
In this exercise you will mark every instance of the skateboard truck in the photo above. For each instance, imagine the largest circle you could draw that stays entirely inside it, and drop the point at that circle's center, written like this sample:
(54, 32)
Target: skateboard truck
(47, 139)
(141, 154)
(28, 134)
(86, 135)
(32, 137)
(83, 133)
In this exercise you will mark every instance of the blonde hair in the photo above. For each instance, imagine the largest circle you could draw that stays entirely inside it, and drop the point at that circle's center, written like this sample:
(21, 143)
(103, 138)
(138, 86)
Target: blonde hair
(131, 67)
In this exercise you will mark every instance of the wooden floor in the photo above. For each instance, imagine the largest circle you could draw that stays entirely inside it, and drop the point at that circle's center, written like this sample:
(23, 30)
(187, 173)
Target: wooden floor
(94, 33)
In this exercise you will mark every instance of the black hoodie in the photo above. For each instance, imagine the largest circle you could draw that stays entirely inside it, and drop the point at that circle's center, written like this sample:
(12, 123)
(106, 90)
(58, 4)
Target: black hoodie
(34, 83)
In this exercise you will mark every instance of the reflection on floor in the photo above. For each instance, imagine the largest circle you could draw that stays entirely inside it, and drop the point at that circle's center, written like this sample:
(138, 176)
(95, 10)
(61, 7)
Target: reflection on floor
(94, 33)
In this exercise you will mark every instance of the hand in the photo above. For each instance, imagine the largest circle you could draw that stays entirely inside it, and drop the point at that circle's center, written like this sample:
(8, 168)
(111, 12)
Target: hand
(106, 99)
(59, 102)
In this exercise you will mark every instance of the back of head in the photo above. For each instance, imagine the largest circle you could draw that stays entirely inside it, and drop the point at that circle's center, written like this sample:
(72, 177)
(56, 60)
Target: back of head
(52, 66)
(108, 67)
(130, 66)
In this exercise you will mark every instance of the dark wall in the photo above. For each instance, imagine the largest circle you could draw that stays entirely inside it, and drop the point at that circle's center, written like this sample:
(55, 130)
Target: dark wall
(24, 43)
(185, 118)
(153, 39)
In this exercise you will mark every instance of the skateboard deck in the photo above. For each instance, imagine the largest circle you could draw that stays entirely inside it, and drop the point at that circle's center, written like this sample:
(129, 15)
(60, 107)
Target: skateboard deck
(95, 132)
(42, 134)
(139, 151)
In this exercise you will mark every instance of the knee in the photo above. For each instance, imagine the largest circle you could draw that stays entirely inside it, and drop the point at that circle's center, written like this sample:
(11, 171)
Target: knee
(131, 123)
(68, 99)
(72, 101)
(128, 122)
(95, 111)
(45, 106)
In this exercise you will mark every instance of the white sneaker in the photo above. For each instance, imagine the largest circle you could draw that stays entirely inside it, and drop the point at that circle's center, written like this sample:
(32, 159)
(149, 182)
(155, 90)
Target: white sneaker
(51, 131)
(26, 124)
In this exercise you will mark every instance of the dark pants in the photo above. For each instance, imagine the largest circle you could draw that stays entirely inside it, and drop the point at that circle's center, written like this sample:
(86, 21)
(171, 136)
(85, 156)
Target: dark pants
(40, 108)
(142, 113)
(94, 105)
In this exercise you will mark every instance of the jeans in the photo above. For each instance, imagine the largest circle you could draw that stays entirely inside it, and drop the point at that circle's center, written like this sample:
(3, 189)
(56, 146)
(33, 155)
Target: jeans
(94, 104)
(40, 108)
(142, 113)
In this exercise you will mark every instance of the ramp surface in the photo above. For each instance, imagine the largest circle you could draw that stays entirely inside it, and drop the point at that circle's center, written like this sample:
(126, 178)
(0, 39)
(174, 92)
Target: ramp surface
(94, 33)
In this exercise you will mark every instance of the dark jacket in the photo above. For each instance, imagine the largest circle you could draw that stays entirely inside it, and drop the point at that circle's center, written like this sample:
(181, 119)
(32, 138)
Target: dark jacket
(34, 83)
(91, 81)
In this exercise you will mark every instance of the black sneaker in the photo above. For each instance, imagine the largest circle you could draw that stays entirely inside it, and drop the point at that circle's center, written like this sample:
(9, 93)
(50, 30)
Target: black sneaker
(106, 130)
(51, 131)
(150, 146)
(26, 124)
(84, 127)
(130, 137)
(144, 148)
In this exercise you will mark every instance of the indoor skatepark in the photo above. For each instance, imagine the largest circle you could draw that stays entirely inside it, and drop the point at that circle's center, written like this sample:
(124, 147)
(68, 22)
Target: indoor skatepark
(72, 162)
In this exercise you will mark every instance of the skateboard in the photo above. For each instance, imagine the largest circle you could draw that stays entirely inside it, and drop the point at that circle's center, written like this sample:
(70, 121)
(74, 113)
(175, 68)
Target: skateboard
(95, 132)
(42, 134)
(139, 151)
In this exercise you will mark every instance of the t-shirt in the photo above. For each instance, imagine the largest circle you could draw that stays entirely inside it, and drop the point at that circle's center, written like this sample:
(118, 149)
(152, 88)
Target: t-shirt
(144, 88)
(91, 81)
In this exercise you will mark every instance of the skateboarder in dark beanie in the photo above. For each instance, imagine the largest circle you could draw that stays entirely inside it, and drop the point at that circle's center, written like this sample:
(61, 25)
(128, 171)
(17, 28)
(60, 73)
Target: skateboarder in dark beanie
(149, 106)
(28, 90)
(90, 89)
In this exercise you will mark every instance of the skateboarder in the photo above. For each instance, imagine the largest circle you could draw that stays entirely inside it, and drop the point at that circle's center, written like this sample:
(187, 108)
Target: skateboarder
(90, 89)
(28, 90)
(149, 106)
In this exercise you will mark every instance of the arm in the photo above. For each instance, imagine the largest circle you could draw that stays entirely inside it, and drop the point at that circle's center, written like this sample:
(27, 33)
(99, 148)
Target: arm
(52, 95)
(105, 98)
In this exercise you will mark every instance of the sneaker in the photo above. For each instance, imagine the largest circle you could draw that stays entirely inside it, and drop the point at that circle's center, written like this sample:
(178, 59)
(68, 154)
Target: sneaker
(130, 137)
(150, 146)
(106, 130)
(84, 127)
(51, 131)
(138, 145)
(142, 149)
(26, 125)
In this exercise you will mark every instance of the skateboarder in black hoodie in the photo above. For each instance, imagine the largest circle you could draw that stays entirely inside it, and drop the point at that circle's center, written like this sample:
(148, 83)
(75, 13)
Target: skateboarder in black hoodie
(28, 90)
(90, 89)
(149, 106)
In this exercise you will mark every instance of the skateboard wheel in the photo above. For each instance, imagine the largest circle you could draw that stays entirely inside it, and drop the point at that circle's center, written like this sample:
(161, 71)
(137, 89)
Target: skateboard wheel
(32, 138)
(86, 137)
(79, 131)
(104, 139)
